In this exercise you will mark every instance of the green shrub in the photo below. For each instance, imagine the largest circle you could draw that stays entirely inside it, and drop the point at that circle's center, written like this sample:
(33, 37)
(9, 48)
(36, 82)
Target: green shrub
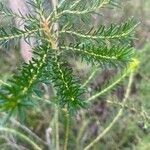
(61, 34)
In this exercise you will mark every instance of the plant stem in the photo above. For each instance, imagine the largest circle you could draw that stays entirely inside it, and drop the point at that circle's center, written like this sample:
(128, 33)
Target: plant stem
(117, 117)
(55, 46)
(57, 127)
(94, 71)
(66, 130)
(108, 88)
(24, 137)
(26, 129)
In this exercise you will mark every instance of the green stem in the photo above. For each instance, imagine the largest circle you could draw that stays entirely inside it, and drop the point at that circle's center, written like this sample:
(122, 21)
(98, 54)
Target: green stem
(66, 131)
(117, 117)
(108, 88)
(57, 127)
(90, 77)
(24, 137)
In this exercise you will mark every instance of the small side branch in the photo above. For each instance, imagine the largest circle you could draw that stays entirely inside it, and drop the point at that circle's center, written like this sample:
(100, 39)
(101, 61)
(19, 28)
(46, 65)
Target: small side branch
(19, 35)
(117, 117)
(131, 67)
(90, 77)
(83, 12)
(107, 88)
(119, 35)
(22, 136)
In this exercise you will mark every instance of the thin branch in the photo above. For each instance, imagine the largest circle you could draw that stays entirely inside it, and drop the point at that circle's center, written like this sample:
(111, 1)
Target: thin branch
(92, 54)
(26, 129)
(120, 35)
(108, 88)
(15, 122)
(91, 9)
(24, 34)
(5, 12)
(130, 68)
(24, 137)
(75, 4)
(117, 117)
(90, 77)
(66, 131)
(13, 145)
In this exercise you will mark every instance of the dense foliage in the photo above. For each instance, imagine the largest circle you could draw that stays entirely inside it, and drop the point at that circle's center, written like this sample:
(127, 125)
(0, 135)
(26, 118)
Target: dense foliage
(50, 51)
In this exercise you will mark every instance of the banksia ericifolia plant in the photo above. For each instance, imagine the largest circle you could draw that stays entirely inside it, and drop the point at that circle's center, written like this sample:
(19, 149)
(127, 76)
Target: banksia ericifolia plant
(61, 32)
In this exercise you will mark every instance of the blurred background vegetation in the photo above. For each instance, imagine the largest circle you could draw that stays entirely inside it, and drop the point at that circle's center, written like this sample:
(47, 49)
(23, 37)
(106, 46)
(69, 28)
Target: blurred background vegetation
(133, 129)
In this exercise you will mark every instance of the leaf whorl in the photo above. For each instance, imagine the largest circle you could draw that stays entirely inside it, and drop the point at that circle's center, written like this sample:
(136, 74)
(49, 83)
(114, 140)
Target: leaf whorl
(21, 85)
(68, 89)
